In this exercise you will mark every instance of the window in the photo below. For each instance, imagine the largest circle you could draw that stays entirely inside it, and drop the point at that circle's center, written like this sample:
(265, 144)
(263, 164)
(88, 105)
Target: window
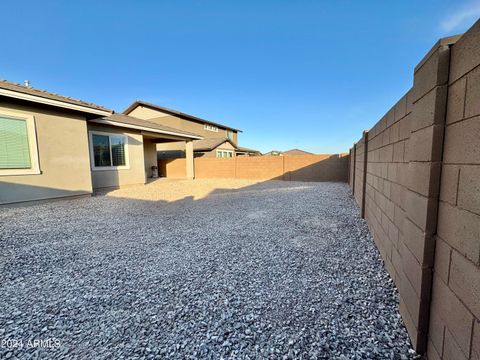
(18, 146)
(230, 135)
(224, 153)
(108, 150)
(210, 127)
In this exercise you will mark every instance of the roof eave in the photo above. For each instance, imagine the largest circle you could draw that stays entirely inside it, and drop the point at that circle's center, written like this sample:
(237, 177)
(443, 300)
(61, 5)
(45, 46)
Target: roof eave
(145, 128)
(52, 102)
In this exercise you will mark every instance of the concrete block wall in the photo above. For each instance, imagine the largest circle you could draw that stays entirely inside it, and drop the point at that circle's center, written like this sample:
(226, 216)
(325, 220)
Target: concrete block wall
(323, 167)
(421, 198)
(359, 171)
(455, 309)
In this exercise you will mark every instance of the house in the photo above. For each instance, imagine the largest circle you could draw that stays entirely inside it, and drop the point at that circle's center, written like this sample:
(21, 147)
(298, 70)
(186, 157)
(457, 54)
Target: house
(296, 152)
(274, 153)
(288, 152)
(219, 140)
(53, 146)
(214, 147)
(243, 151)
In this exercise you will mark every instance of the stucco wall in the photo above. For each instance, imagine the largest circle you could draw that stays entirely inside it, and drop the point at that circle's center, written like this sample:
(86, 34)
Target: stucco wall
(135, 174)
(422, 194)
(63, 156)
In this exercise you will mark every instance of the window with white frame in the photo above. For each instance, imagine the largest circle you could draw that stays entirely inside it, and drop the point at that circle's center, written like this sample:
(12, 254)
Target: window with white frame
(230, 135)
(210, 127)
(108, 150)
(224, 153)
(18, 144)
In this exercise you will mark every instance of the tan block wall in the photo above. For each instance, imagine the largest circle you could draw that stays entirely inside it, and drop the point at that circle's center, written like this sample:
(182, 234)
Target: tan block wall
(455, 313)
(422, 198)
(63, 156)
(293, 168)
(213, 168)
(173, 168)
(260, 167)
(323, 167)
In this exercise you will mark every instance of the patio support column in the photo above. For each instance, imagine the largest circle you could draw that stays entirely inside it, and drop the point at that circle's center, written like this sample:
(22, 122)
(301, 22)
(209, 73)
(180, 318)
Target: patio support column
(189, 159)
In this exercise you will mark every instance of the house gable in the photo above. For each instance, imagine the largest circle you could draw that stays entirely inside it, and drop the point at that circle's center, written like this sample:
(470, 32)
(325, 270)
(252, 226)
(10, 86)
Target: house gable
(181, 121)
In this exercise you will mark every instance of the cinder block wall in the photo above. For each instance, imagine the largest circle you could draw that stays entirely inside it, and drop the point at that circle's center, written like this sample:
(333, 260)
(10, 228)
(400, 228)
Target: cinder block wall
(422, 198)
(455, 311)
(324, 167)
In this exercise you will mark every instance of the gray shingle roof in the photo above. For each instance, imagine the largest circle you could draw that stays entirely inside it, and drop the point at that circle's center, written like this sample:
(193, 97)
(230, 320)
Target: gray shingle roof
(244, 149)
(209, 144)
(7, 85)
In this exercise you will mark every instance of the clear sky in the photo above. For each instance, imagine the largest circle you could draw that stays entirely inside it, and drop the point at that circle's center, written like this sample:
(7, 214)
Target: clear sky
(290, 74)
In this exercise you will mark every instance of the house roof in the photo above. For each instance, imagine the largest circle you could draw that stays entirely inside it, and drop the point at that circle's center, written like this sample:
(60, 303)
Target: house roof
(273, 152)
(210, 144)
(244, 149)
(177, 113)
(127, 121)
(23, 92)
(296, 152)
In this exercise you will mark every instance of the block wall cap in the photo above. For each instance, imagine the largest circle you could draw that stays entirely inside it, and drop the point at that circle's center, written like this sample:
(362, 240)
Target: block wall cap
(446, 41)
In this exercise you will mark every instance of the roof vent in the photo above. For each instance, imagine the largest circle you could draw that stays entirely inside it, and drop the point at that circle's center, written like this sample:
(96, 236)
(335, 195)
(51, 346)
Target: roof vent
(26, 83)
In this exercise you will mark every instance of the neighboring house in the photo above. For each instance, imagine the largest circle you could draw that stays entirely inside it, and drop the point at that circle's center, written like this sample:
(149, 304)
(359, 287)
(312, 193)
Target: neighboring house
(243, 151)
(53, 146)
(274, 153)
(296, 152)
(219, 140)
(288, 152)
(214, 147)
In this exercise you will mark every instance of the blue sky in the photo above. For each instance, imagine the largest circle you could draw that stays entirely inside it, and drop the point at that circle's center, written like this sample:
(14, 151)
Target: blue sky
(290, 74)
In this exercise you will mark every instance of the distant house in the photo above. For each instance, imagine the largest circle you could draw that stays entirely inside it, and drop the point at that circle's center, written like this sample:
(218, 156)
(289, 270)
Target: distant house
(296, 152)
(219, 140)
(274, 153)
(243, 151)
(288, 152)
(214, 147)
(54, 146)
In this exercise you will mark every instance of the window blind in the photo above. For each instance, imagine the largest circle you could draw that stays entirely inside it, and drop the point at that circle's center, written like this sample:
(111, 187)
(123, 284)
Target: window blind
(118, 150)
(14, 147)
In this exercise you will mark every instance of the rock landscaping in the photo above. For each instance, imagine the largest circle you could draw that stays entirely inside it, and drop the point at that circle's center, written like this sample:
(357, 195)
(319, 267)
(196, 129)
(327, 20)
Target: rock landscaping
(275, 270)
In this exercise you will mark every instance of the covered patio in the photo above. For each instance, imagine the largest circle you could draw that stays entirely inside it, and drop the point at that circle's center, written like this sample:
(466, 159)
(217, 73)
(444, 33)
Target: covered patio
(135, 152)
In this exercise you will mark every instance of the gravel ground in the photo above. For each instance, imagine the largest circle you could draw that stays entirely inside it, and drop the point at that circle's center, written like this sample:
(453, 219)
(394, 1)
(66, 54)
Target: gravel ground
(271, 270)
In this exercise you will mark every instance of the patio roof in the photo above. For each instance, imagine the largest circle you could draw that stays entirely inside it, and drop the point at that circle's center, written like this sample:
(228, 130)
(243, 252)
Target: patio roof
(126, 121)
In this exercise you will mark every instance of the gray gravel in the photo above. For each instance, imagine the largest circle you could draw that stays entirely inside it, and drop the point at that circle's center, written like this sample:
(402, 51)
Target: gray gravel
(273, 270)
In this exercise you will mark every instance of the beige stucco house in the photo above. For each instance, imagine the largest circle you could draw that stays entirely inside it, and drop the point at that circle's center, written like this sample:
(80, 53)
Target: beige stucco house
(52, 146)
(219, 140)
